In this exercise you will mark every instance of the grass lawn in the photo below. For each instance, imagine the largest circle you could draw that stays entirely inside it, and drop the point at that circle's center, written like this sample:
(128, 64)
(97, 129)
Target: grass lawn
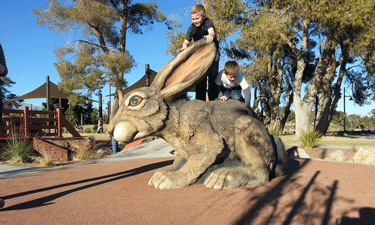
(93, 133)
(351, 141)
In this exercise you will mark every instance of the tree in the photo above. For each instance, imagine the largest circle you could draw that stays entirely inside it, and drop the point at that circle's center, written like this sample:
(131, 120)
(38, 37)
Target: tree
(54, 103)
(343, 29)
(71, 116)
(6, 95)
(94, 116)
(101, 55)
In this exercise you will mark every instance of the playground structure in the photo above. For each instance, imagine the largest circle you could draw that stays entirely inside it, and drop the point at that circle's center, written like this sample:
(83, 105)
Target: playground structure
(36, 126)
(26, 123)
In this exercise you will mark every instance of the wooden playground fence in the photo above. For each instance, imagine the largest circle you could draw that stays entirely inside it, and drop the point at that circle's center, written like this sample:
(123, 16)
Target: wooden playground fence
(26, 123)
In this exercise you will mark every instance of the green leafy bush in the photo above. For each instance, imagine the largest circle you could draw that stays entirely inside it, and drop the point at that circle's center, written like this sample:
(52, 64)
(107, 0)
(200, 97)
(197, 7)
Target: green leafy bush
(310, 138)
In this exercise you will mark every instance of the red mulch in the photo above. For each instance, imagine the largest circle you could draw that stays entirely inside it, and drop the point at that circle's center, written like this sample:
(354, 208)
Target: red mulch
(314, 192)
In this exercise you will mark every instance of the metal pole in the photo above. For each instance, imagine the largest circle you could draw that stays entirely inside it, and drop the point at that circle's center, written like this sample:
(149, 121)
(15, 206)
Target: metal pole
(147, 75)
(100, 106)
(109, 111)
(109, 104)
(344, 113)
(101, 110)
(48, 97)
(47, 94)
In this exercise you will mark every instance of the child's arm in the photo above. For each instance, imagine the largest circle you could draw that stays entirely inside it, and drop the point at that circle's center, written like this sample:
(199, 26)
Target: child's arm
(185, 44)
(211, 35)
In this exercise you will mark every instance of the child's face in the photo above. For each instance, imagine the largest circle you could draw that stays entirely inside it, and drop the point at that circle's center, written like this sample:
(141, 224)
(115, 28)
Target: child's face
(197, 19)
(231, 78)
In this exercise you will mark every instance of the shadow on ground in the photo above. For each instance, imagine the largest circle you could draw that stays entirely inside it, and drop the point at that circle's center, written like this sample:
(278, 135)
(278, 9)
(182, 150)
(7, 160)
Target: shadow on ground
(99, 181)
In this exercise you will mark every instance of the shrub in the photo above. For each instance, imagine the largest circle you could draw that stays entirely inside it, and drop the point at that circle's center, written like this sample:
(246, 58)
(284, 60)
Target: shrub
(91, 140)
(46, 160)
(354, 149)
(83, 154)
(87, 130)
(310, 138)
(274, 132)
(18, 150)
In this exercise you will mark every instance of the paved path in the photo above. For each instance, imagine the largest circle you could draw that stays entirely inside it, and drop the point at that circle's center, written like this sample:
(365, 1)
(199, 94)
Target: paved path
(114, 190)
(155, 149)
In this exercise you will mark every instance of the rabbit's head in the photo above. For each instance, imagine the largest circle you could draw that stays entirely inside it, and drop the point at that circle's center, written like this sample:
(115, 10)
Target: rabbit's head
(145, 109)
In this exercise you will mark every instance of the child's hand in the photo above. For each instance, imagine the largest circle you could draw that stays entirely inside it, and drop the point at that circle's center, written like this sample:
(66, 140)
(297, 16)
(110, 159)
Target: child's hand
(181, 50)
(209, 38)
(224, 98)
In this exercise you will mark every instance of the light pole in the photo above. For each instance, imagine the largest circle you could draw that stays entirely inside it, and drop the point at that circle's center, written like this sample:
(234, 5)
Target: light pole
(350, 98)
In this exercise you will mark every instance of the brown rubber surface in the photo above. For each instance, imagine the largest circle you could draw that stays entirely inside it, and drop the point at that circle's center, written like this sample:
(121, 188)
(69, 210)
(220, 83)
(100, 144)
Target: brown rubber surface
(315, 192)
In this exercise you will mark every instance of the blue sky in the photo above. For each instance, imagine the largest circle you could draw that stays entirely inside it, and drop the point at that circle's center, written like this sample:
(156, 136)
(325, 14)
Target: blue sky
(29, 48)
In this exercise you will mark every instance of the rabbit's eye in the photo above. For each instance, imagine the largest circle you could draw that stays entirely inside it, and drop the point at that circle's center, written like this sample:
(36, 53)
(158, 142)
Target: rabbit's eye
(134, 101)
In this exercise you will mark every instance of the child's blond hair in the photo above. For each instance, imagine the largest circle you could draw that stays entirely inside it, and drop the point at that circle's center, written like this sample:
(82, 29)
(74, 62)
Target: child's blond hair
(231, 68)
(198, 9)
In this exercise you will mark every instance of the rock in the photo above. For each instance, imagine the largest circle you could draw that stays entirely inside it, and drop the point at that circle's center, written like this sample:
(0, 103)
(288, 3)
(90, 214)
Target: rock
(300, 153)
(104, 150)
(336, 156)
(365, 155)
(370, 159)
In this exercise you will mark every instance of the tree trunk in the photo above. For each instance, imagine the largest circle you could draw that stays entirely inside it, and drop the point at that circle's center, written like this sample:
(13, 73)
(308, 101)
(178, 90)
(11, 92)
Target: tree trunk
(302, 119)
(286, 112)
(324, 121)
(275, 83)
(304, 107)
(324, 97)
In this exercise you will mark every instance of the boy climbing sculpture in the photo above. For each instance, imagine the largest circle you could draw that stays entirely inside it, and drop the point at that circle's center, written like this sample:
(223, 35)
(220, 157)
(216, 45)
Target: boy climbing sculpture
(218, 143)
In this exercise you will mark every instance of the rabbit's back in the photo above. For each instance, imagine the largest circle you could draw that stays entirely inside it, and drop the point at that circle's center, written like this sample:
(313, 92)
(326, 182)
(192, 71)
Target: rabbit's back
(196, 115)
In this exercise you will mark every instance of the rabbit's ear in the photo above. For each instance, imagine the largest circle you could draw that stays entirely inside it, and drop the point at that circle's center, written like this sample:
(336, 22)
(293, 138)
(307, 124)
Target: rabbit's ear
(185, 70)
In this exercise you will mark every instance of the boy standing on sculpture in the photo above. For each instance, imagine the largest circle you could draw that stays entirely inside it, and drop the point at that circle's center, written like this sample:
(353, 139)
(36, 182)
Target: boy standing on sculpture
(203, 27)
(231, 83)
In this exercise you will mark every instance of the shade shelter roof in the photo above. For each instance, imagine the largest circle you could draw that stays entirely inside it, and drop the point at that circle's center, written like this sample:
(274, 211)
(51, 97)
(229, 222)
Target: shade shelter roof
(142, 83)
(41, 92)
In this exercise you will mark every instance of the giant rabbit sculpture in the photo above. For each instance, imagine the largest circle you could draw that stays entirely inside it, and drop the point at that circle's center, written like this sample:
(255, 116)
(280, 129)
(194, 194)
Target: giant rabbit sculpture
(220, 144)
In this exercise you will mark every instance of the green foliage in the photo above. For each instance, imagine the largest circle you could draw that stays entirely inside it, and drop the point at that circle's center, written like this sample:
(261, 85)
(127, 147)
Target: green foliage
(83, 154)
(275, 132)
(100, 56)
(175, 41)
(46, 161)
(71, 116)
(18, 150)
(88, 130)
(105, 119)
(310, 138)
(94, 116)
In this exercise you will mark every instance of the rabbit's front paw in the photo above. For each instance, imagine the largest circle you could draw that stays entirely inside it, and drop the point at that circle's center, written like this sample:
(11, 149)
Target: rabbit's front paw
(168, 180)
(225, 178)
